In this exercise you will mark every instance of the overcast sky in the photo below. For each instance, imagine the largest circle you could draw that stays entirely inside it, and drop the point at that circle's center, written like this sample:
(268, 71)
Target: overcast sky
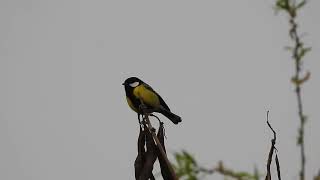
(220, 65)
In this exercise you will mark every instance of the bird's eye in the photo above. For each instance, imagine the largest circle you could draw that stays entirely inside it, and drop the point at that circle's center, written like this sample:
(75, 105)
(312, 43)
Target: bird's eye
(134, 84)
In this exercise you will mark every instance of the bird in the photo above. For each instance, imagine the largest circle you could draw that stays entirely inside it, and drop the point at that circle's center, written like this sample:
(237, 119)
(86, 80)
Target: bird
(140, 96)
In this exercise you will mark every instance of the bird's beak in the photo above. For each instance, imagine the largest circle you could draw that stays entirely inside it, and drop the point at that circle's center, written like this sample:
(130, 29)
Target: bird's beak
(123, 83)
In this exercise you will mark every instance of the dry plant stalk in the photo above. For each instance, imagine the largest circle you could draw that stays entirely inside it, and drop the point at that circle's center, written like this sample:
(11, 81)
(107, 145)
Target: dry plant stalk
(272, 149)
(160, 148)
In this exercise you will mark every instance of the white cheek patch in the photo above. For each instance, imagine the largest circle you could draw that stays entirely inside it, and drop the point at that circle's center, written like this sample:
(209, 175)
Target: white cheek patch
(134, 84)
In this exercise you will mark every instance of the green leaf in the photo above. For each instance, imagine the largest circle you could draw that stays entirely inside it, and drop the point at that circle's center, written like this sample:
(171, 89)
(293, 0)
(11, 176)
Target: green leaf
(283, 4)
(301, 4)
(304, 51)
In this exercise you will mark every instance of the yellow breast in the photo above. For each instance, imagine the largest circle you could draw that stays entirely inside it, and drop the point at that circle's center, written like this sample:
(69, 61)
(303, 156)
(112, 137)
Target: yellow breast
(147, 96)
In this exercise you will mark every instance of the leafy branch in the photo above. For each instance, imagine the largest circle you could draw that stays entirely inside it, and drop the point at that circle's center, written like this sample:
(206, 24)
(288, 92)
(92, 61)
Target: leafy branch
(188, 168)
(298, 51)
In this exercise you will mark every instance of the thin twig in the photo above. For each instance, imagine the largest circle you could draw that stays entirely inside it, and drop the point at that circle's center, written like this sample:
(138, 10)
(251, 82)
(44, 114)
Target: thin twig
(278, 167)
(268, 176)
(272, 149)
(297, 58)
(274, 132)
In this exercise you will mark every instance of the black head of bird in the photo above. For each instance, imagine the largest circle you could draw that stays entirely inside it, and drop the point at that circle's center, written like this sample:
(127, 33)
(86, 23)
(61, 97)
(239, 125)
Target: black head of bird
(132, 82)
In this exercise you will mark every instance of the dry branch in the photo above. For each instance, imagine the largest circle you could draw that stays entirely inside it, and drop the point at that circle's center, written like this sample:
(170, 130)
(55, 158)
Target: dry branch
(272, 149)
(160, 148)
(138, 163)
(154, 148)
(165, 171)
(150, 158)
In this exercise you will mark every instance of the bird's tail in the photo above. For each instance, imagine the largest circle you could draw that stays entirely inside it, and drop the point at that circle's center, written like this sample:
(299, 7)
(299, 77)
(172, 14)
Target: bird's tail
(174, 118)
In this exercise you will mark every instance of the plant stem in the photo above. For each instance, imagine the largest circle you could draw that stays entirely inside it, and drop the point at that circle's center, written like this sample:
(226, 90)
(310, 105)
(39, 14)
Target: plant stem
(297, 58)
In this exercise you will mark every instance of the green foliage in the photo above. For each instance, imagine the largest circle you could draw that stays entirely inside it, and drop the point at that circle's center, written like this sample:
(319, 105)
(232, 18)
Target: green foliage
(290, 6)
(187, 168)
(239, 175)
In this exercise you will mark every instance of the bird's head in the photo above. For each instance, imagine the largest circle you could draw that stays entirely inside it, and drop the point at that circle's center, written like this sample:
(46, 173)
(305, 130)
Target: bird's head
(132, 82)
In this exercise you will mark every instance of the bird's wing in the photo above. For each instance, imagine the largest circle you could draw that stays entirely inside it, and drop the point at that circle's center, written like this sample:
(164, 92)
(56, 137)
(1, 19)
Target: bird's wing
(162, 103)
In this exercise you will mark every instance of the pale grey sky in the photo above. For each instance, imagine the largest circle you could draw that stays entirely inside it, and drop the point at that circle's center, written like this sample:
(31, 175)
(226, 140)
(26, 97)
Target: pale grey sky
(220, 65)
